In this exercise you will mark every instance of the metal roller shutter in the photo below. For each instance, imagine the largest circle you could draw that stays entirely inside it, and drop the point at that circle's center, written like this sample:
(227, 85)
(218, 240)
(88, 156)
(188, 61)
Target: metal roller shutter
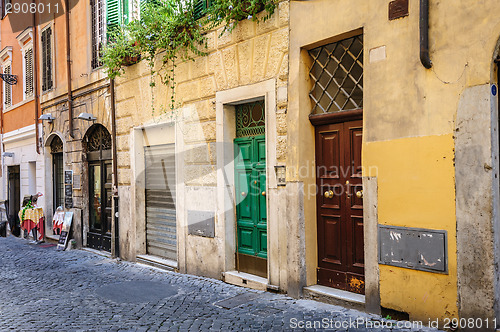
(161, 230)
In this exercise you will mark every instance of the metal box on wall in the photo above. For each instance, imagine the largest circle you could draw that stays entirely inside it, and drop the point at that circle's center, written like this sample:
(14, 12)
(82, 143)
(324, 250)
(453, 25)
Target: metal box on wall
(413, 248)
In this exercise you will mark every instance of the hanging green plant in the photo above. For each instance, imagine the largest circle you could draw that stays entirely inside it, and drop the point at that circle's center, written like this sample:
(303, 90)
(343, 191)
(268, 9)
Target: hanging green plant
(172, 31)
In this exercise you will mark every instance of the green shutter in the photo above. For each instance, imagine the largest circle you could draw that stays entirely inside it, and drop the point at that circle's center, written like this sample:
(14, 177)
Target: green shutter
(112, 15)
(200, 7)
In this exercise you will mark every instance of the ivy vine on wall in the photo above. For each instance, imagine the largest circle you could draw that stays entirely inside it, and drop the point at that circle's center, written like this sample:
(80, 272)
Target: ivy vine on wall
(170, 31)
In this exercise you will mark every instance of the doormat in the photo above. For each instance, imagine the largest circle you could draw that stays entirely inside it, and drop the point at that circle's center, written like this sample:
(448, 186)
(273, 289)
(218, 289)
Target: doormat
(46, 245)
(236, 301)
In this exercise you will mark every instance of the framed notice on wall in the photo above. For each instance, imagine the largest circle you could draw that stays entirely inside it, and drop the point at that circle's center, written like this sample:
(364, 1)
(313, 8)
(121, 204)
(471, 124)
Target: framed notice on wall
(68, 177)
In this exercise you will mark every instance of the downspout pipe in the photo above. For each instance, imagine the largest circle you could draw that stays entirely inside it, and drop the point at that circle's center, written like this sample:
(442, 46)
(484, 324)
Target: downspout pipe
(68, 70)
(424, 34)
(115, 169)
(35, 78)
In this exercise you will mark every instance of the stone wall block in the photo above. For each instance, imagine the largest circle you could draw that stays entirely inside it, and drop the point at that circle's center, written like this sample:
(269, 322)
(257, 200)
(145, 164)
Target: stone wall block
(187, 91)
(199, 67)
(123, 159)
(196, 154)
(124, 176)
(269, 25)
(199, 132)
(245, 51)
(207, 87)
(283, 13)
(245, 30)
(123, 125)
(281, 148)
(224, 39)
(215, 66)
(281, 125)
(204, 175)
(261, 46)
(231, 66)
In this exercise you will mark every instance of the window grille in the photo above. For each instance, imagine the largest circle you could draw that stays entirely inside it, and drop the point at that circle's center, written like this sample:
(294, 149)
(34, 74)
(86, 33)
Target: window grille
(337, 76)
(28, 66)
(47, 82)
(97, 27)
(7, 88)
(250, 119)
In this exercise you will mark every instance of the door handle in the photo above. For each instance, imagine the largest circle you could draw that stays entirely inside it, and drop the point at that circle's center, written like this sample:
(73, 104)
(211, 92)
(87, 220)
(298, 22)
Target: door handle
(328, 194)
(359, 194)
(263, 193)
(243, 193)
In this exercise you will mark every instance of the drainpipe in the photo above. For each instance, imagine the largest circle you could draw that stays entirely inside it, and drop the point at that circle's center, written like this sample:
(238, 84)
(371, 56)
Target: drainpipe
(35, 77)
(68, 70)
(115, 168)
(424, 34)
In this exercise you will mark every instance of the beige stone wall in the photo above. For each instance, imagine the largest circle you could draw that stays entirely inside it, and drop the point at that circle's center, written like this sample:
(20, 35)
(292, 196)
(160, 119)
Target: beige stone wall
(252, 53)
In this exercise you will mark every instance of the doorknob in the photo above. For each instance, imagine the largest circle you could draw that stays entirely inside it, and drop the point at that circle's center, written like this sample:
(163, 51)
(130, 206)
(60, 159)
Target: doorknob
(263, 193)
(328, 194)
(359, 194)
(243, 193)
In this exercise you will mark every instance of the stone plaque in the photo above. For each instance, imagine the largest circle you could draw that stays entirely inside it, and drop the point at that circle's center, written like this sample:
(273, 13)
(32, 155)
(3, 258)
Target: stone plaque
(413, 248)
(398, 9)
(201, 223)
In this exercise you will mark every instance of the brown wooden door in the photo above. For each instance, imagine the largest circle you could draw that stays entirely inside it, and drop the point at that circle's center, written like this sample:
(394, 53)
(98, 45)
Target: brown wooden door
(340, 206)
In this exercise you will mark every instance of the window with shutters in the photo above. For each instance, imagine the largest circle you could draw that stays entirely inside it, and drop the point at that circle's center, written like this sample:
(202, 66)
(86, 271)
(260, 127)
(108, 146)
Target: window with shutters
(200, 7)
(7, 88)
(47, 79)
(116, 15)
(28, 73)
(97, 26)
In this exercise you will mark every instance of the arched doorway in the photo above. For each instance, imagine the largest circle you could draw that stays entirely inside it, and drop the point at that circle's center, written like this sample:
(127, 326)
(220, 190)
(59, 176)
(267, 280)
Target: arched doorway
(56, 149)
(97, 143)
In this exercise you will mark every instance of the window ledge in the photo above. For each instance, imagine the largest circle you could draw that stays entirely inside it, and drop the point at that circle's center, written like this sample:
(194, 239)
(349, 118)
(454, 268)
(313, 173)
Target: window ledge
(13, 107)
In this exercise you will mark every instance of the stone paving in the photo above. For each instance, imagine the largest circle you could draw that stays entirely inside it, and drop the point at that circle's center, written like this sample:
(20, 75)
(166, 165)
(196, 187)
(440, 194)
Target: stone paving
(42, 289)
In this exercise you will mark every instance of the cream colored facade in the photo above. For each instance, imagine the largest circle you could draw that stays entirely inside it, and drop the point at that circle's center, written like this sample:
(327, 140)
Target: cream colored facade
(430, 148)
(248, 64)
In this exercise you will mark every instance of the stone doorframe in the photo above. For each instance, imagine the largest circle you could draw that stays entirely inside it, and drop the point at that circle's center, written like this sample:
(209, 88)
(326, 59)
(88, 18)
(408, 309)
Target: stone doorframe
(164, 132)
(226, 210)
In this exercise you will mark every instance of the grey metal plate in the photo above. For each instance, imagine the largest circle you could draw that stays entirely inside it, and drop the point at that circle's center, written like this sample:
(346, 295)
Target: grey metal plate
(413, 248)
(136, 291)
(201, 223)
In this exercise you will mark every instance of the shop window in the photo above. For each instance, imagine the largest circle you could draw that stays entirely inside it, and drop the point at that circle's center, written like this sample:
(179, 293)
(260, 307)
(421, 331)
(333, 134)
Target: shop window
(337, 76)
(47, 80)
(56, 148)
(97, 27)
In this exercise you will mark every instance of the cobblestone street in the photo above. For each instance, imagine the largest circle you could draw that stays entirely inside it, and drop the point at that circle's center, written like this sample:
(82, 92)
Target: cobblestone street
(42, 289)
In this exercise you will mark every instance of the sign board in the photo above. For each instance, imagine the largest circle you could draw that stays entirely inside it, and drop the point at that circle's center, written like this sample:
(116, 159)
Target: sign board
(413, 248)
(68, 196)
(68, 177)
(398, 9)
(63, 238)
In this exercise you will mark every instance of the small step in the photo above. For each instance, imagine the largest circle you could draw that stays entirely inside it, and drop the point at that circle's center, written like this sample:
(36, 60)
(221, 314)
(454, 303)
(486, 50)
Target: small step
(155, 261)
(335, 296)
(52, 239)
(245, 280)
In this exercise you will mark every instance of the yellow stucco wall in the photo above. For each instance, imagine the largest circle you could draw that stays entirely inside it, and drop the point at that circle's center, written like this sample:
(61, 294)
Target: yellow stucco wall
(409, 120)
(423, 198)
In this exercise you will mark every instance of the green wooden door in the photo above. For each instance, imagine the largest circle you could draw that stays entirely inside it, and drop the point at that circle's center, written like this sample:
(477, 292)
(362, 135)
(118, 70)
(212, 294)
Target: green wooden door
(250, 183)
